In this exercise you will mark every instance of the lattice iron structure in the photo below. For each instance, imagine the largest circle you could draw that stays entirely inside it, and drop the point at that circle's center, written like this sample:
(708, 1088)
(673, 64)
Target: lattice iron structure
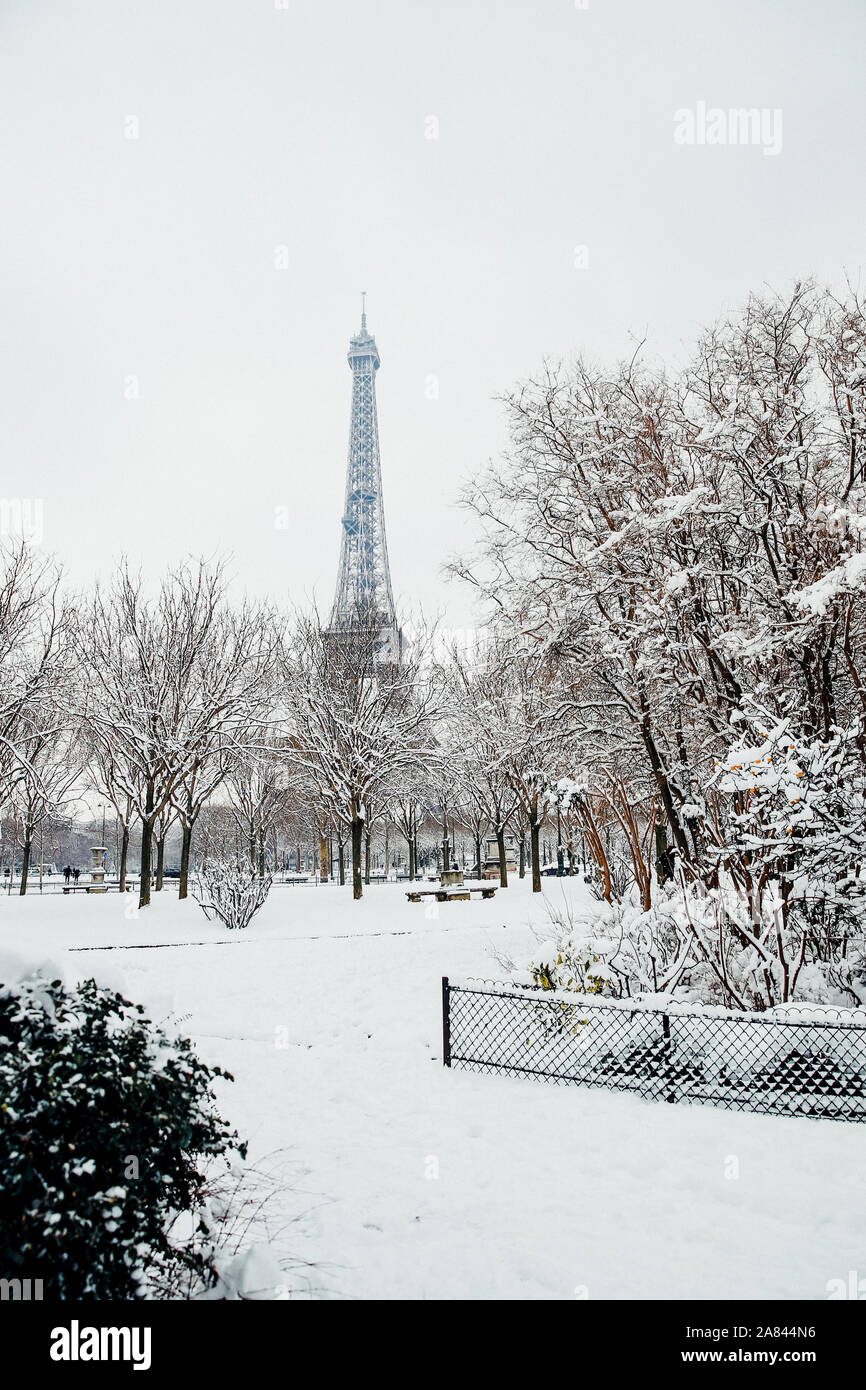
(364, 598)
(805, 1062)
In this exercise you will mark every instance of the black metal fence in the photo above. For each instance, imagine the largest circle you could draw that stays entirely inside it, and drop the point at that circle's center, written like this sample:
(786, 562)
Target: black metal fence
(808, 1060)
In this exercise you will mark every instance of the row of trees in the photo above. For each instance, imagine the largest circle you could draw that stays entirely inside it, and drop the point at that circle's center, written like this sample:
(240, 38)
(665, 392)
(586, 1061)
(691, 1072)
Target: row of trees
(679, 555)
(138, 700)
(178, 704)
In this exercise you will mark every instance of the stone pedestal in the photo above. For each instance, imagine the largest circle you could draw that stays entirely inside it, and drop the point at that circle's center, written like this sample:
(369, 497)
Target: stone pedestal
(97, 870)
(490, 868)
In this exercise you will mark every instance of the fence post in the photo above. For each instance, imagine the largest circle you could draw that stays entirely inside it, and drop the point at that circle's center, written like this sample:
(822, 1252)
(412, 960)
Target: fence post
(671, 1097)
(446, 1022)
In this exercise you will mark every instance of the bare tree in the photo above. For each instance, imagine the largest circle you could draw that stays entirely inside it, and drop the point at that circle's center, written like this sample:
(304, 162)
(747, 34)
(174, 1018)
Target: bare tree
(33, 656)
(258, 794)
(168, 680)
(475, 744)
(50, 771)
(355, 721)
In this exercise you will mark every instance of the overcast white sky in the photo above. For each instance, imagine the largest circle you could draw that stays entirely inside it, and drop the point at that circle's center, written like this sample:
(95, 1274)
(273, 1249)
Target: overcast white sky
(304, 126)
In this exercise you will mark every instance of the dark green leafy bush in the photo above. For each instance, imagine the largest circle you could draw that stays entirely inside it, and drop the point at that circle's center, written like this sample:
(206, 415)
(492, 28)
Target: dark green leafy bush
(104, 1120)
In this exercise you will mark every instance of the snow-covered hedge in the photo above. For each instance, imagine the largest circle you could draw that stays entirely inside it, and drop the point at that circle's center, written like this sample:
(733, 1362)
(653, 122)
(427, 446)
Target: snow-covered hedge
(104, 1121)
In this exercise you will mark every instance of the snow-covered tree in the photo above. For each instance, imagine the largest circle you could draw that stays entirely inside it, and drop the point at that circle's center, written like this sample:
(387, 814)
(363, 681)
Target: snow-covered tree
(355, 722)
(169, 681)
(34, 659)
(258, 793)
(478, 741)
(682, 547)
(51, 763)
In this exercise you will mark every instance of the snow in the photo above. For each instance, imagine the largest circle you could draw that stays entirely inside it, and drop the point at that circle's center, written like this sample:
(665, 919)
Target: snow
(252, 1274)
(846, 577)
(23, 961)
(398, 1178)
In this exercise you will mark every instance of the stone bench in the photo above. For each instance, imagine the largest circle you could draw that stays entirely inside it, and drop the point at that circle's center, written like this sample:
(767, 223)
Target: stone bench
(457, 894)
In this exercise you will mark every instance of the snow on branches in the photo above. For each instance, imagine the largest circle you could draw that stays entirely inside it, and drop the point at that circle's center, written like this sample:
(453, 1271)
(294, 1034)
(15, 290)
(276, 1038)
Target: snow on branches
(231, 890)
(685, 551)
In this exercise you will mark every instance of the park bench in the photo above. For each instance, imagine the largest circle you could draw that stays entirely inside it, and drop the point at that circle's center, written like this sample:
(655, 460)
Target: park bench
(88, 887)
(460, 893)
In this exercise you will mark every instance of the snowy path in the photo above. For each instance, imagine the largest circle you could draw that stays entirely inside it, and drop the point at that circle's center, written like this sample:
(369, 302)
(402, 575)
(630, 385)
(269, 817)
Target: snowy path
(328, 1014)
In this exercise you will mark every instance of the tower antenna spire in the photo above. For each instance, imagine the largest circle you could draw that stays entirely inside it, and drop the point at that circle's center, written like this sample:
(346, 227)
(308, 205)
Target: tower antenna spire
(363, 310)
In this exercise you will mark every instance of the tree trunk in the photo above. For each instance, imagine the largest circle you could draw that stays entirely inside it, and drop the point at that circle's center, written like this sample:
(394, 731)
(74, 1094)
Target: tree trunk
(367, 857)
(357, 847)
(146, 847)
(185, 846)
(25, 861)
(522, 870)
(160, 862)
(341, 854)
(411, 859)
(664, 861)
(534, 832)
(323, 859)
(503, 862)
(478, 865)
(261, 856)
(661, 780)
(124, 854)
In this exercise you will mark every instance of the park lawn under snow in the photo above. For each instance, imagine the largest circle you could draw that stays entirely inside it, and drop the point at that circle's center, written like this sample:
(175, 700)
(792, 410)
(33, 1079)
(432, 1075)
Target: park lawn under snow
(328, 1013)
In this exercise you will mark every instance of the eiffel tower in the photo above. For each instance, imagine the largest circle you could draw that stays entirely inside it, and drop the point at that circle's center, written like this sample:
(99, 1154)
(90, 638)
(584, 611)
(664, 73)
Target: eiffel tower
(364, 602)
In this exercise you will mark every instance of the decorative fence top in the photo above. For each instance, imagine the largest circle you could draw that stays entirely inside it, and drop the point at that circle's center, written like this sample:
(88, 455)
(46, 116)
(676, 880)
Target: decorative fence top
(803, 1059)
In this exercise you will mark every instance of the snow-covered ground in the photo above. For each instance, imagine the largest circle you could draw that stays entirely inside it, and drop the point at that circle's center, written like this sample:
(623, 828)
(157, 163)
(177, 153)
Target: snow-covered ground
(399, 1178)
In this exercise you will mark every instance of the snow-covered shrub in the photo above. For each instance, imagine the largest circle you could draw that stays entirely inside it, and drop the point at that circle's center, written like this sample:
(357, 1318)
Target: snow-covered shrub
(799, 816)
(104, 1121)
(698, 945)
(231, 890)
(571, 969)
(574, 967)
(617, 950)
(794, 855)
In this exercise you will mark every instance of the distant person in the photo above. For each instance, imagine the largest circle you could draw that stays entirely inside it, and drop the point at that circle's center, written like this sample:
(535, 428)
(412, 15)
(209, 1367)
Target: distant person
(75, 874)
(67, 872)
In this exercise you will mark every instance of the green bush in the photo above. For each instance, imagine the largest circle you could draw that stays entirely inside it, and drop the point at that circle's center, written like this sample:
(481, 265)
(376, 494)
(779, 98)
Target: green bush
(103, 1120)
